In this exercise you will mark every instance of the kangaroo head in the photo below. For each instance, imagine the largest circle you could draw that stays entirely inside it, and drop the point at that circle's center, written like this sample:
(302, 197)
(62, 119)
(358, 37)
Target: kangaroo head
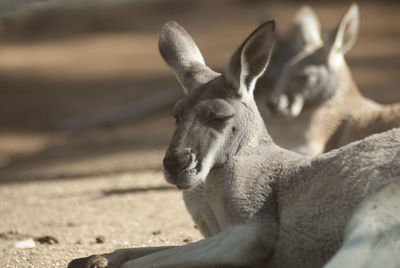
(304, 30)
(311, 77)
(218, 115)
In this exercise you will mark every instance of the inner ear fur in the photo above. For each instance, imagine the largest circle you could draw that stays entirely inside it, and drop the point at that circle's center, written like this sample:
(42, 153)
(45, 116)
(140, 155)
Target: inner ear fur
(250, 60)
(342, 38)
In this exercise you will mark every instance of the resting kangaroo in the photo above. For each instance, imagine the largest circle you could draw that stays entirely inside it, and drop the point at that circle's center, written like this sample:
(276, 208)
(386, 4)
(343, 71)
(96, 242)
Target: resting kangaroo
(256, 204)
(318, 77)
(287, 45)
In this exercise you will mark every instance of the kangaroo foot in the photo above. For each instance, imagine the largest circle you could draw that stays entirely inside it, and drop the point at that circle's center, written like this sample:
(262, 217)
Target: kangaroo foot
(94, 261)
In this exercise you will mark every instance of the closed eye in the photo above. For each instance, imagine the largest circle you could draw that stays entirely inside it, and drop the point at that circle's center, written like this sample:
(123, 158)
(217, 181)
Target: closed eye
(303, 77)
(308, 78)
(216, 112)
(176, 119)
(220, 118)
(177, 109)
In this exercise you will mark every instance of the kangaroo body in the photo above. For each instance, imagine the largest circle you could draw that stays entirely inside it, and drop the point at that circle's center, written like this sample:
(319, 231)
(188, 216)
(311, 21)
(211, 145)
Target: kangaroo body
(258, 205)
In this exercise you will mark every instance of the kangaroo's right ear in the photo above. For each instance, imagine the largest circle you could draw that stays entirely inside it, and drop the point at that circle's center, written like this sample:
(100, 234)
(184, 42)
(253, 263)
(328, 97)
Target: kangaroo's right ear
(306, 29)
(343, 36)
(181, 53)
(250, 60)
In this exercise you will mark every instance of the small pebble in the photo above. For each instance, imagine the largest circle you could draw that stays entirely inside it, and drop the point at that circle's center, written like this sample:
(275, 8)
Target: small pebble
(187, 240)
(47, 239)
(156, 232)
(29, 243)
(100, 239)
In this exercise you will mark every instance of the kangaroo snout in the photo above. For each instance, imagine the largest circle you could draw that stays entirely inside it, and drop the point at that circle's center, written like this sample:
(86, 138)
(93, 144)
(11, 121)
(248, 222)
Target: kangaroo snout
(287, 106)
(176, 161)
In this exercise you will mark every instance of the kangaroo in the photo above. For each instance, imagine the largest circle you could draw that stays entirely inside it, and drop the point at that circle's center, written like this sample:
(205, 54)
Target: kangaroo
(372, 236)
(256, 204)
(319, 78)
(304, 27)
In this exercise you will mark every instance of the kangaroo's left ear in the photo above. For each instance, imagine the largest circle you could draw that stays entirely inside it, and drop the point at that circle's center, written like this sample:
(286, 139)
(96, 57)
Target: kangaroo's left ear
(306, 30)
(250, 60)
(342, 37)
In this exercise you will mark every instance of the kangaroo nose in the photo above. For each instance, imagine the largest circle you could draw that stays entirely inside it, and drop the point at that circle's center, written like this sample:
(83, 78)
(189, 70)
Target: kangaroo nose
(176, 160)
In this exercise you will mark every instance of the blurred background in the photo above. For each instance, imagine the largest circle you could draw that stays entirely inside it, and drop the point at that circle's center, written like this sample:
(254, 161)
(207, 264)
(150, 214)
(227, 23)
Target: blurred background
(83, 79)
(85, 94)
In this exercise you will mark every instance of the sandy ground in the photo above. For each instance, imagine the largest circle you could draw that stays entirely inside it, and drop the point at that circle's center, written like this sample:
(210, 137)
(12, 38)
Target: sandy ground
(80, 151)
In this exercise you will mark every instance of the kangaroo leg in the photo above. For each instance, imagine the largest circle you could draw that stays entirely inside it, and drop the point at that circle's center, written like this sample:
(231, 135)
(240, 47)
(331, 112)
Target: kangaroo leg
(245, 245)
(372, 237)
(114, 259)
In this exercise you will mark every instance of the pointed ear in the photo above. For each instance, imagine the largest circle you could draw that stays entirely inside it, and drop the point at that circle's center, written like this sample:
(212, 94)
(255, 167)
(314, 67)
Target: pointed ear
(250, 60)
(306, 29)
(181, 53)
(342, 37)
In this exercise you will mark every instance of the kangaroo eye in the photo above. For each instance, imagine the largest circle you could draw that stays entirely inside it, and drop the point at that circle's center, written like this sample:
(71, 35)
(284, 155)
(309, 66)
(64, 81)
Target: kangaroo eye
(226, 117)
(220, 117)
(176, 119)
(217, 112)
(303, 77)
(177, 110)
(310, 78)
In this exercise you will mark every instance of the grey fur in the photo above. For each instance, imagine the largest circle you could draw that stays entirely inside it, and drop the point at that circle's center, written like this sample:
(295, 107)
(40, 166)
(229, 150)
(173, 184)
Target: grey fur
(257, 204)
(372, 237)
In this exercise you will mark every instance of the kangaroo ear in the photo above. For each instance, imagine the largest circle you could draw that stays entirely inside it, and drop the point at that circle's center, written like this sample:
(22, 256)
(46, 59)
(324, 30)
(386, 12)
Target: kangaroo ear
(306, 29)
(250, 60)
(181, 53)
(342, 37)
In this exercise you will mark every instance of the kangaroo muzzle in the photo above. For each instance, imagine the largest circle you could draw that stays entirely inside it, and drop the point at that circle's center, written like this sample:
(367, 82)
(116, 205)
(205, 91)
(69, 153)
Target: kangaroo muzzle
(179, 161)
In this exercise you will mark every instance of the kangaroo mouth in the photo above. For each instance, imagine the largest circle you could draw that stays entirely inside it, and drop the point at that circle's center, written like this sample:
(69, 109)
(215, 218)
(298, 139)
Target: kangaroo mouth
(288, 107)
(187, 176)
(192, 167)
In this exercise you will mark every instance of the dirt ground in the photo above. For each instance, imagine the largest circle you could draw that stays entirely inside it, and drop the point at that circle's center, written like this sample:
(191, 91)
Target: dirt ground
(85, 121)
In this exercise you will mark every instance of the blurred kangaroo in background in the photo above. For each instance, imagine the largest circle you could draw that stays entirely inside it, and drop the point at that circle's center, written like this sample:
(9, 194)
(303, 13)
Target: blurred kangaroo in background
(318, 77)
(287, 45)
(257, 204)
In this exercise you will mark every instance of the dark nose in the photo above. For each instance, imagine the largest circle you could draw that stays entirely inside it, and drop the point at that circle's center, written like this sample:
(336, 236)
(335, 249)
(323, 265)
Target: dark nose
(176, 160)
